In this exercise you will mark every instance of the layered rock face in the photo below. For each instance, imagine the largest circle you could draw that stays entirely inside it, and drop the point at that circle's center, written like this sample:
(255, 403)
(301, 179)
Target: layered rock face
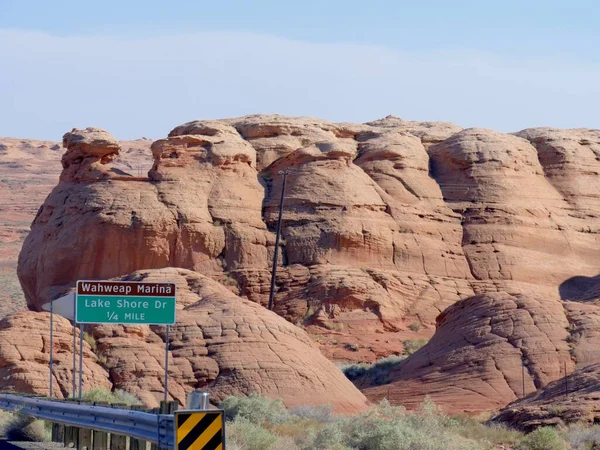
(29, 170)
(572, 399)
(385, 224)
(517, 225)
(25, 356)
(362, 220)
(488, 350)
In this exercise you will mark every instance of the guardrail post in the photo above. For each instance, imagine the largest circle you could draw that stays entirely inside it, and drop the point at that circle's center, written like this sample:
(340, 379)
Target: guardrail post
(137, 444)
(84, 439)
(100, 438)
(71, 437)
(58, 432)
(118, 441)
(165, 408)
(197, 400)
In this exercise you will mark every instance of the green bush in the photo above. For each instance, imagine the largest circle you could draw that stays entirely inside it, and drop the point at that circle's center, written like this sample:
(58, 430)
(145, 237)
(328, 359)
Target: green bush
(245, 435)
(110, 397)
(255, 409)
(375, 374)
(494, 434)
(389, 427)
(583, 437)
(90, 340)
(544, 438)
(321, 414)
(415, 326)
(352, 346)
(256, 423)
(412, 345)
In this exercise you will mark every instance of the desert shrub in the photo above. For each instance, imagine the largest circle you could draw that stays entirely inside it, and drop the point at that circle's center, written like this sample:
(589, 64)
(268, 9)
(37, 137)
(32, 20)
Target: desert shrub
(544, 438)
(583, 438)
(91, 341)
(415, 326)
(327, 438)
(259, 423)
(494, 434)
(352, 346)
(285, 443)
(389, 427)
(17, 427)
(255, 409)
(412, 345)
(110, 397)
(374, 374)
(321, 414)
(245, 435)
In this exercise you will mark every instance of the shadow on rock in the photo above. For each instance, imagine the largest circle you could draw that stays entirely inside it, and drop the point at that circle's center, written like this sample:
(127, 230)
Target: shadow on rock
(580, 288)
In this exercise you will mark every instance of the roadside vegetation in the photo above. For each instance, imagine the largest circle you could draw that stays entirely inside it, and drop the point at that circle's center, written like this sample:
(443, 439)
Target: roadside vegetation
(259, 423)
(375, 374)
(117, 397)
(17, 427)
(378, 373)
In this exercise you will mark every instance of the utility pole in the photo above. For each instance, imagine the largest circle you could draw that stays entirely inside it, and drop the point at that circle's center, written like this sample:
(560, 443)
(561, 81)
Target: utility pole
(285, 173)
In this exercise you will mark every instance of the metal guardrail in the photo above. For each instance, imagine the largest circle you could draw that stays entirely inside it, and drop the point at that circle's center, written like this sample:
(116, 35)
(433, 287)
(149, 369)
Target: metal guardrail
(156, 428)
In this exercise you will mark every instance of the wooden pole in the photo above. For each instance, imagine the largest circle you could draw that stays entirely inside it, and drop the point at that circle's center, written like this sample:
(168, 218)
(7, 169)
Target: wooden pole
(277, 239)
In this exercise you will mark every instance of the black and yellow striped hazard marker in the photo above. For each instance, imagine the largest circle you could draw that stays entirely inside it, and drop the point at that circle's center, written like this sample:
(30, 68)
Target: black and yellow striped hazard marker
(200, 430)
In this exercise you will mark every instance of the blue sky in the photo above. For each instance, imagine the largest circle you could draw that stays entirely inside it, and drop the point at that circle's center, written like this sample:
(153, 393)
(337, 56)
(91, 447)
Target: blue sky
(139, 68)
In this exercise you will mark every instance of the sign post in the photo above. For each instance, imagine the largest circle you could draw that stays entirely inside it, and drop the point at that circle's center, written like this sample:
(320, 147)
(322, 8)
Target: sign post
(166, 364)
(80, 360)
(74, 352)
(125, 303)
(51, 348)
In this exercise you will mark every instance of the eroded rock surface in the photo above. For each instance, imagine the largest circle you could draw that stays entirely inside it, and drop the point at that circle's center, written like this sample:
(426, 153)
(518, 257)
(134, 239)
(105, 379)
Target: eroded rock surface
(386, 225)
(25, 356)
(29, 170)
(486, 349)
(569, 400)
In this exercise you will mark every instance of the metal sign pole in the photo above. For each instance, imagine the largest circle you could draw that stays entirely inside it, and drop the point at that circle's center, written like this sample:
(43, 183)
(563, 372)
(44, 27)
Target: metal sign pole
(271, 303)
(74, 350)
(51, 347)
(167, 363)
(80, 359)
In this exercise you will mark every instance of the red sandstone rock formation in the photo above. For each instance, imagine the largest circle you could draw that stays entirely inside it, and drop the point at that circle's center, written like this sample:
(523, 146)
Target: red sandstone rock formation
(25, 356)
(385, 224)
(29, 170)
(569, 400)
(486, 349)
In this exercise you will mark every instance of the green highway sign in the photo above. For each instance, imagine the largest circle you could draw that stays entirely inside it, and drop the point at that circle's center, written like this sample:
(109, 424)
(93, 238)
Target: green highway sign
(125, 302)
